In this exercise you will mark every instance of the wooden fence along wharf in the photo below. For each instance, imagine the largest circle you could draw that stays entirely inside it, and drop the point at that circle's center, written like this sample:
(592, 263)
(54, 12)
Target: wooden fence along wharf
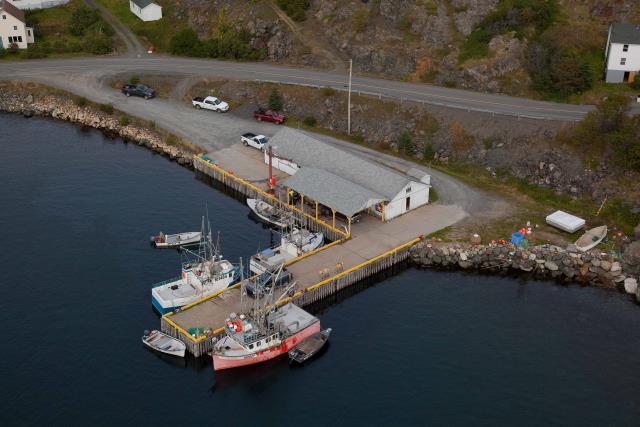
(202, 345)
(241, 186)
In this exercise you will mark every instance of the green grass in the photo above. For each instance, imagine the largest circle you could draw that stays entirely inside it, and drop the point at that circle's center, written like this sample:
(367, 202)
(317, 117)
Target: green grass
(158, 33)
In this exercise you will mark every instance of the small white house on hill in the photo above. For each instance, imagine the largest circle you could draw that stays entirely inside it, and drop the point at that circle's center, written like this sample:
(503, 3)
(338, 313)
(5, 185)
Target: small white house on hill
(146, 10)
(13, 27)
(622, 53)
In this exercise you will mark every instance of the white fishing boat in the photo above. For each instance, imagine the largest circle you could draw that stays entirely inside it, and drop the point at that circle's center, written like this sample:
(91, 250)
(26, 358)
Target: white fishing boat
(591, 238)
(203, 273)
(293, 244)
(164, 343)
(175, 240)
(269, 213)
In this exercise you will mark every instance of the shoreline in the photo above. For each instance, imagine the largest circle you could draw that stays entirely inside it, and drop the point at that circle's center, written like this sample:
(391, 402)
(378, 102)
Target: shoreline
(38, 100)
(594, 268)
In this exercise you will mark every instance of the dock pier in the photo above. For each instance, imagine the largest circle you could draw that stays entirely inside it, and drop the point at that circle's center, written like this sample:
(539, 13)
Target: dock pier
(371, 247)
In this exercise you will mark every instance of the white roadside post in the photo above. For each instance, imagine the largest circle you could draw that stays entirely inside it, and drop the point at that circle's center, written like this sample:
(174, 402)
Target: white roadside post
(349, 99)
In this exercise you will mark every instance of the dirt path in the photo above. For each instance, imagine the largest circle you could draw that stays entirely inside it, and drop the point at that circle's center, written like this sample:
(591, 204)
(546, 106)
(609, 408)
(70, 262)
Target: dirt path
(132, 44)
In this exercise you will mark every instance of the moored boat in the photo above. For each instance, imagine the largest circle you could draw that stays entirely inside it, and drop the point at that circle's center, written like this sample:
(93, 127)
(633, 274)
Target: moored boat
(268, 332)
(175, 240)
(292, 245)
(203, 273)
(309, 347)
(164, 343)
(591, 238)
(269, 213)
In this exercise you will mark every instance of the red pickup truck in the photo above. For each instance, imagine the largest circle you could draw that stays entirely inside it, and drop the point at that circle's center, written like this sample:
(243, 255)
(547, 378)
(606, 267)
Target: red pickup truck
(268, 116)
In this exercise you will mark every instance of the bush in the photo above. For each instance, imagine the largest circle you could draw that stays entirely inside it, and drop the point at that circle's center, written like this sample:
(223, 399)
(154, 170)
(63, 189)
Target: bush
(134, 80)
(275, 100)
(428, 152)
(98, 44)
(294, 8)
(3, 52)
(328, 91)
(13, 48)
(310, 121)
(81, 19)
(231, 44)
(635, 85)
(184, 43)
(106, 108)
(123, 121)
(34, 52)
(359, 20)
(80, 101)
(171, 140)
(405, 144)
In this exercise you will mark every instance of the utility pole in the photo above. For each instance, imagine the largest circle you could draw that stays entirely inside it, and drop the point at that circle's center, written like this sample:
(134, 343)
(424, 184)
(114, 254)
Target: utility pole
(349, 99)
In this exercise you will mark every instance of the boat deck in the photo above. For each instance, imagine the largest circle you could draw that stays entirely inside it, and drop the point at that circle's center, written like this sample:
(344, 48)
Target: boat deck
(370, 238)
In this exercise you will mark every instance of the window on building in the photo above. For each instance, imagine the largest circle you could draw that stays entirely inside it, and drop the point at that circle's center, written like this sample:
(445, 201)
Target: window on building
(4, 16)
(15, 27)
(29, 33)
(625, 48)
(408, 190)
(623, 61)
(19, 39)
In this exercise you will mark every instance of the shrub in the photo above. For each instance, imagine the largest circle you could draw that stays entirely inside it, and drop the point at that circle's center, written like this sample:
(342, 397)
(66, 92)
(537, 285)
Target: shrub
(80, 101)
(275, 100)
(310, 121)
(3, 52)
(171, 140)
(34, 52)
(635, 85)
(106, 108)
(231, 44)
(123, 121)
(328, 91)
(98, 44)
(461, 140)
(359, 20)
(13, 48)
(134, 80)
(294, 8)
(405, 144)
(404, 23)
(82, 19)
(184, 43)
(428, 152)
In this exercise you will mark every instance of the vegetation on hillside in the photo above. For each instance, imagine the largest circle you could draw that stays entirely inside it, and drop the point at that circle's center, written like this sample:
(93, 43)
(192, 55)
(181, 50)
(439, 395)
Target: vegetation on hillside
(230, 44)
(294, 8)
(609, 131)
(70, 29)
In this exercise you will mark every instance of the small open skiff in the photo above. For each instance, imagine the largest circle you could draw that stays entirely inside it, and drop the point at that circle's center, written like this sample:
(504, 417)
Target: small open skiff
(309, 347)
(591, 238)
(175, 240)
(267, 213)
(164, 343)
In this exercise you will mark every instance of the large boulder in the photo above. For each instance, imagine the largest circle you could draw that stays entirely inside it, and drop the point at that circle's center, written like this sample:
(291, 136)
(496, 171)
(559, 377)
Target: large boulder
(631, 285)
(632, 259)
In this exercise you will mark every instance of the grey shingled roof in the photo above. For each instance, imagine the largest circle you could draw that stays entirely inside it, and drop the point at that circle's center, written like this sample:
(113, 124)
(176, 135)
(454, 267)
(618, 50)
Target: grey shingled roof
(12, 10)
(143, 3)
(306, 151)
(333, 191)
(625, 33)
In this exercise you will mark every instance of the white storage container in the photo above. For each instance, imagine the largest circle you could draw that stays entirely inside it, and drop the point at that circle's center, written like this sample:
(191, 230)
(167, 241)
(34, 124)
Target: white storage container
(565, 221)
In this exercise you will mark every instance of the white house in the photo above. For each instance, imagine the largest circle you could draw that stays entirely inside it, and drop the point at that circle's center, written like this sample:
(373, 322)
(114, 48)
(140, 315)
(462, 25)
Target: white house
(146, 10)
(622, 53)
(37, 4)
(343, 181)
(13, 28)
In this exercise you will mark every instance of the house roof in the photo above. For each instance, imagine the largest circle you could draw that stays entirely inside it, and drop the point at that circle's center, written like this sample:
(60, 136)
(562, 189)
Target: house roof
(625, 33)
(333, 191)
(309, 152)
(143, 3)
(12, 10)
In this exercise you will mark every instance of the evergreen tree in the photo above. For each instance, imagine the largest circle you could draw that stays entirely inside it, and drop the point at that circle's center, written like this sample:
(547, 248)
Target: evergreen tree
(275, 100)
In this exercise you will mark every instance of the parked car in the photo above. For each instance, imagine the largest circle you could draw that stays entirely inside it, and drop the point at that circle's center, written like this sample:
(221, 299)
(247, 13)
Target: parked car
(210, 103)
(268, 116)
(139, 90)
(253, 140)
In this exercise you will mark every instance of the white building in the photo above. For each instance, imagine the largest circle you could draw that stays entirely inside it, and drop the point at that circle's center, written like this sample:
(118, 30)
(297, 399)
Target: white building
(343, 181)
(13, 28)
(146, 10)
(37, 4)
(622, 53)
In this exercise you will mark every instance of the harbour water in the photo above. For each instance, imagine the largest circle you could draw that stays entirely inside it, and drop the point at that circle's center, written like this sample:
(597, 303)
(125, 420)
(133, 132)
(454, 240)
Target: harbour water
(419, 348)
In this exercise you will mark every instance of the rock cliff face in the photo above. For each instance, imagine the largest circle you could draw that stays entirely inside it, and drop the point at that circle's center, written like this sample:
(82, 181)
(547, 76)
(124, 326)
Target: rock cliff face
(62, 108)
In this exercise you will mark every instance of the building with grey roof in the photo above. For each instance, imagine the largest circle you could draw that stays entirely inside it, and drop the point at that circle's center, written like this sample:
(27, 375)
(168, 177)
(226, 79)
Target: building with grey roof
(146, 10)
(343, 181)
(622, 54)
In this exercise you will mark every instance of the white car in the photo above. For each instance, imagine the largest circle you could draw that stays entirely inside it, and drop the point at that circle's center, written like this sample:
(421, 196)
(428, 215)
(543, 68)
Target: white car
(210, 103)
(255, 141)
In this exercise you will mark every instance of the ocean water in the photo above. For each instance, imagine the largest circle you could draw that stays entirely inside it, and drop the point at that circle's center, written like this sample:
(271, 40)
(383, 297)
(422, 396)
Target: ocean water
(418, 348)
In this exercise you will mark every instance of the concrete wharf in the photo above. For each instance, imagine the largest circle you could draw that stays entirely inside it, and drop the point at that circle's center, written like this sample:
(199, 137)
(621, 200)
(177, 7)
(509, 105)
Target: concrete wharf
(357, 252)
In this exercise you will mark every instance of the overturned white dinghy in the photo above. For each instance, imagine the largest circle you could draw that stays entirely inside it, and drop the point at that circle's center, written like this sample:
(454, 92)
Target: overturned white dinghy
(565, 221)
(164, 343)
(176, 240)
(591, 238)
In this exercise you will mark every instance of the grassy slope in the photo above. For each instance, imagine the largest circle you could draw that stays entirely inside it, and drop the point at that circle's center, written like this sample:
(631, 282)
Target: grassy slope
(158, 33)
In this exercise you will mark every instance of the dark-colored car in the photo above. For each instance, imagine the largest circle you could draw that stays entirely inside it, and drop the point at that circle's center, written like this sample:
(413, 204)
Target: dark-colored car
(268, 116)
(142, 91)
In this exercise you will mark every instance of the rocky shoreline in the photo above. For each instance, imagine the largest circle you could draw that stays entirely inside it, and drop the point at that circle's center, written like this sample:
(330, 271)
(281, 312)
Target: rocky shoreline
(61, 107)
(594, 268)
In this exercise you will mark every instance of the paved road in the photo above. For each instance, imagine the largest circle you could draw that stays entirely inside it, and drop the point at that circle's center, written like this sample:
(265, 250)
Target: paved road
(455, 98)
